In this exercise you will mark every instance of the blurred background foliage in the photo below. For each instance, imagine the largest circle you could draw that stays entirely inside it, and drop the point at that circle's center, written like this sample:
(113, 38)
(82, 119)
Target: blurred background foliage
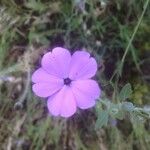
(28, 28)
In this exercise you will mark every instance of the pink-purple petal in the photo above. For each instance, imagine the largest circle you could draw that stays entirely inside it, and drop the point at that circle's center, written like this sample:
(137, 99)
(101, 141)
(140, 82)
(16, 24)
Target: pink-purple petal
(40, 75)
(63, 103)
(85, 93)
(82, 66)
(46, 89)
(57, 62)
(54, 103)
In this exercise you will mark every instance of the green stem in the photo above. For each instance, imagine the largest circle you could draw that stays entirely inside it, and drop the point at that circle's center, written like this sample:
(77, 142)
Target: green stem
(133, 35)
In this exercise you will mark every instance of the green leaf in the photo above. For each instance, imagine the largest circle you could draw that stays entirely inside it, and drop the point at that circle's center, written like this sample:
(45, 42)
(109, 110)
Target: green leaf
(127, 106)
(116, 112)
(102, 119)
(125, 92)
(120, 115)
(35, 5)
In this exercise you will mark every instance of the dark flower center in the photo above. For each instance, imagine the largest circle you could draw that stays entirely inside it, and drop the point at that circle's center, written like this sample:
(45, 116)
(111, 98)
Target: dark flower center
(67, 81)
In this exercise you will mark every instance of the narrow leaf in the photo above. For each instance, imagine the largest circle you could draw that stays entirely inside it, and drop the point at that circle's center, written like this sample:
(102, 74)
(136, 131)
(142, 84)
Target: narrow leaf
(125, 92)
(102, 119)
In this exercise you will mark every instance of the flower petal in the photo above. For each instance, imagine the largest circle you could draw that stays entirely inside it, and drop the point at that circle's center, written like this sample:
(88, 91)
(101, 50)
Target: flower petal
(40, 76)
(47, 88)
(62, 103)
(57, 62)
(82, 66)
(85, 93)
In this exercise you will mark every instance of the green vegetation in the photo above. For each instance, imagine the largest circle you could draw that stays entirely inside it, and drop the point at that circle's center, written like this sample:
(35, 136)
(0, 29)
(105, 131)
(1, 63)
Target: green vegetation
(117, 33)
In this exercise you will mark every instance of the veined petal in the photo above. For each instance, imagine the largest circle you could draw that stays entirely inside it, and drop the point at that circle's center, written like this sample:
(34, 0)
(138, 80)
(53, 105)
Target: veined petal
(40, 75)
(46, 89)
(85, 92)
(62, 103)
(82, 66)
(57, 62)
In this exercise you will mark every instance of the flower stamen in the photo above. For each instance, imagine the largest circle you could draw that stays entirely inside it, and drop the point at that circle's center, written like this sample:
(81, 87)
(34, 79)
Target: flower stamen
(67, 81)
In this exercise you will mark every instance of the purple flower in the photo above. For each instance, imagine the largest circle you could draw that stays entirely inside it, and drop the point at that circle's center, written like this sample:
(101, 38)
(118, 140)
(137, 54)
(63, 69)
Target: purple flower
(65, 80)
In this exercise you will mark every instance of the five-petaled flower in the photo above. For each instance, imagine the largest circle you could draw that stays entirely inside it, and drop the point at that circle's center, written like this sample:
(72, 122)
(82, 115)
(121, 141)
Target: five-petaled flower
(65, 81)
